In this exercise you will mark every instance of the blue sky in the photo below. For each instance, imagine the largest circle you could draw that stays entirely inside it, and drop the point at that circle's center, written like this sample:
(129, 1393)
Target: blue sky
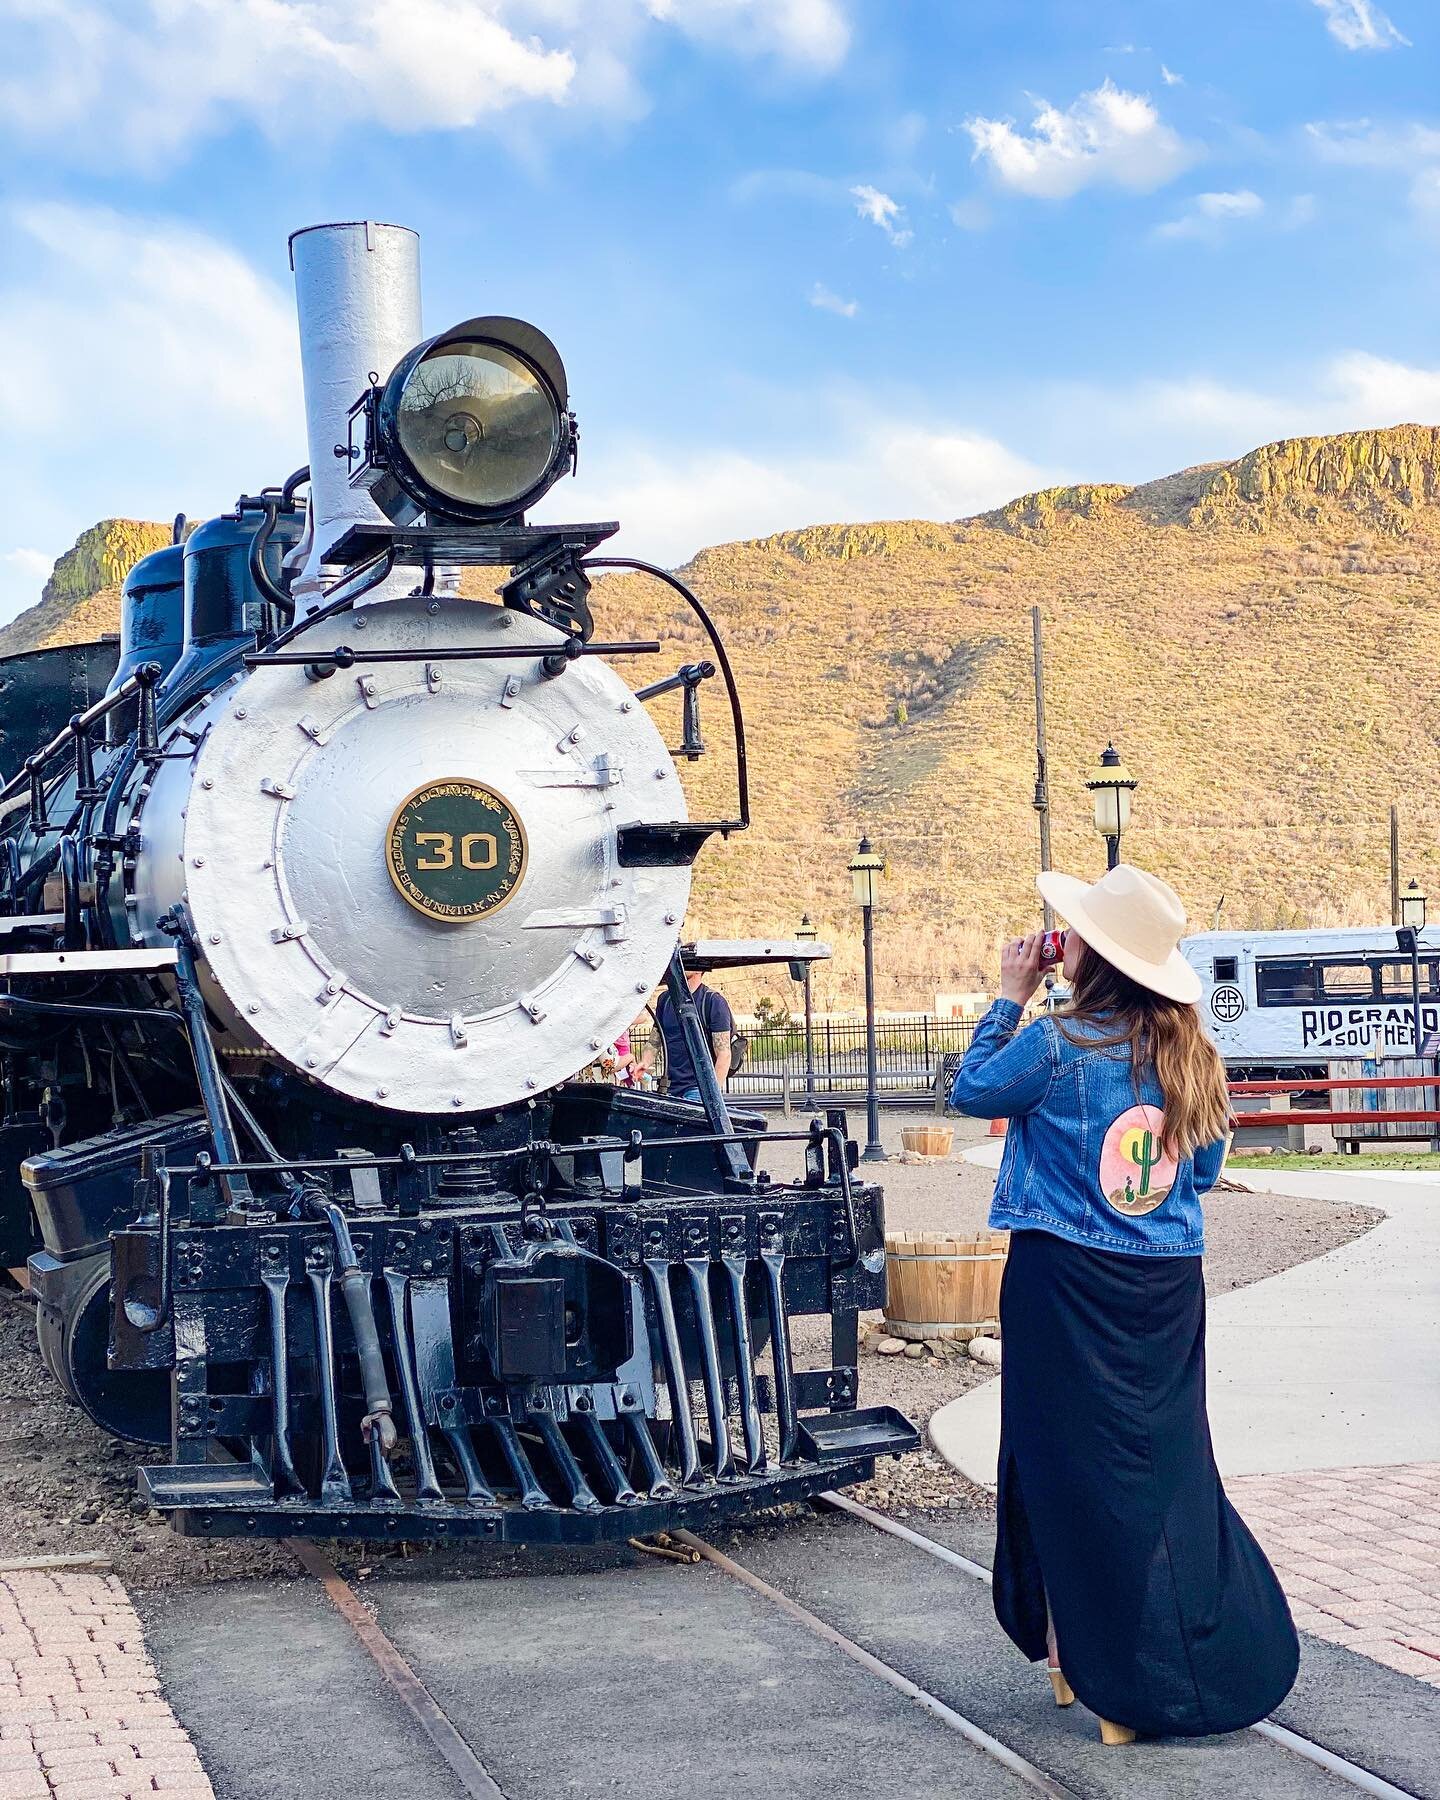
(805, 259)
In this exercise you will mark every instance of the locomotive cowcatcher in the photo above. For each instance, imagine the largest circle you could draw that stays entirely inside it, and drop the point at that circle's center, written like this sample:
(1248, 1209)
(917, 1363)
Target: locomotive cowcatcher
(320, 892)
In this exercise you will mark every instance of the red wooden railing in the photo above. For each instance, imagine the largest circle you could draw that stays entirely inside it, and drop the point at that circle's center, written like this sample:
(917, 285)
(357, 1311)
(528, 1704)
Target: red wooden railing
(1373, 1116)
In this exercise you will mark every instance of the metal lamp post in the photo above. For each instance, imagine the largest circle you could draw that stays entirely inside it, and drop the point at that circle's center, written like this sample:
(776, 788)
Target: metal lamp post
(1111, 786)
(866, 868)
(806, 933)
(1407, 937)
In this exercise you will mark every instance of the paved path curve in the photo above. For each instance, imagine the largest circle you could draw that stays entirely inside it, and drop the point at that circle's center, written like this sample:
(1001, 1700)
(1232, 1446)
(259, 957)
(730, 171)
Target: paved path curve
(1332, 1364)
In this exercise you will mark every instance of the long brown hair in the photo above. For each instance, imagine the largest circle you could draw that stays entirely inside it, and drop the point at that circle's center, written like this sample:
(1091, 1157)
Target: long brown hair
(1165, 1037)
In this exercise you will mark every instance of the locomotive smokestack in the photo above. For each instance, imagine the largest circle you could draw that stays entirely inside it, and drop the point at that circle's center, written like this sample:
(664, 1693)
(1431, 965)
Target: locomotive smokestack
(357, 289)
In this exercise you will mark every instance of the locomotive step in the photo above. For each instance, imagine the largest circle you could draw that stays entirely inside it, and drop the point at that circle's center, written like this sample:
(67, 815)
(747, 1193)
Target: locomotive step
(197, 1505)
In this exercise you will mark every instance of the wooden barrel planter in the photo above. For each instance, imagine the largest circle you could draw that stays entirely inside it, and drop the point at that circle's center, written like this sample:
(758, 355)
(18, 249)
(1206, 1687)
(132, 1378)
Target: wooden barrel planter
(943, 1287)
(928, 1140)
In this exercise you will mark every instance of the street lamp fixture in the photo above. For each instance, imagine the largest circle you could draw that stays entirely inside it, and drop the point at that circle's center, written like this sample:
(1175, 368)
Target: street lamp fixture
(806, 933)
(1111, 786)
(1412, 906)
(866, 869)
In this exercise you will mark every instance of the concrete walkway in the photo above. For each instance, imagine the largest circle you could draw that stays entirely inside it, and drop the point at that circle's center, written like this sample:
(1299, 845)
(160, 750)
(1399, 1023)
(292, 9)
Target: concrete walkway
(1332, 1364)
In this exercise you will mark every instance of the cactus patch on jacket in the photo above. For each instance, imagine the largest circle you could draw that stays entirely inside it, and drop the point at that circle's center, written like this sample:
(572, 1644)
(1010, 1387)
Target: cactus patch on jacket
(1135, 1171)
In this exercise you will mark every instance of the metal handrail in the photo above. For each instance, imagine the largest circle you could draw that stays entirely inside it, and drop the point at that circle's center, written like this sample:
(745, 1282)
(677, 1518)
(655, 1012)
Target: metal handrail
(139, 681)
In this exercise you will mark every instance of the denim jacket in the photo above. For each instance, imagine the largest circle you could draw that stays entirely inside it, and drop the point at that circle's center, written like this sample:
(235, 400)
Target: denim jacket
(1083, 1156)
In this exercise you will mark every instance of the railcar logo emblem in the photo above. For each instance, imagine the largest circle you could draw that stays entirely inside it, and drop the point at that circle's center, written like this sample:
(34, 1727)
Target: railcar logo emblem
(1227, 1003)
(456, 850)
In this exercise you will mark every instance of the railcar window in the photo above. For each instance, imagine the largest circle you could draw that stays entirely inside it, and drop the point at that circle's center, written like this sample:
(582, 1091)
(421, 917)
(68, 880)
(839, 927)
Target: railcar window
(1227, 968)
(1348, 981)
(1395, 980)
(1286, 983)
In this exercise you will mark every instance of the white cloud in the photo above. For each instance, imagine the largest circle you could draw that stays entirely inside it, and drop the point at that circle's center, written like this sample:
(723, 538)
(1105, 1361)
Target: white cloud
(1411, 152)
(970, 214)
(135, 322)
(874, 466)
(34, 565)
(896, 461)
(23, 573)
(1208, 214)
(137, 82)
(1359, 25)
(1385, 392)
(822, 298)
(148, 367)
(881, 210)
(1360, 143)
(811, 33)
(1105, 136)
(1153, 427)
(1170, 78)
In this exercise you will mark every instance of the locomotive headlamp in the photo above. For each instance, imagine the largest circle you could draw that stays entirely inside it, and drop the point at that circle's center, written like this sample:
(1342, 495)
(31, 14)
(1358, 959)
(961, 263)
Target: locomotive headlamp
(473, 425)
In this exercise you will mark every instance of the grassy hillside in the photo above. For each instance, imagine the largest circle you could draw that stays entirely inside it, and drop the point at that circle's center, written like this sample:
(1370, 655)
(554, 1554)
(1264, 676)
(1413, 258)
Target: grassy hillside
(1261, 639)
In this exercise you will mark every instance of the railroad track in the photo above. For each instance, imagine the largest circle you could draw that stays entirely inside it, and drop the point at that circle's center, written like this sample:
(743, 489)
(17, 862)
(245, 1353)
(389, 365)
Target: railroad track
(479, 1783)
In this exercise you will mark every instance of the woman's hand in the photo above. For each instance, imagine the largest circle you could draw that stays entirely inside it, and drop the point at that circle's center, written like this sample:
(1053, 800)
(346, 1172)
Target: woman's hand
(1020, 968)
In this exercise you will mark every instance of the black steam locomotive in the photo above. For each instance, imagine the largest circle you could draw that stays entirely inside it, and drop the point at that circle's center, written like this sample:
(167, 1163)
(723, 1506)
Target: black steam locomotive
(315, 896)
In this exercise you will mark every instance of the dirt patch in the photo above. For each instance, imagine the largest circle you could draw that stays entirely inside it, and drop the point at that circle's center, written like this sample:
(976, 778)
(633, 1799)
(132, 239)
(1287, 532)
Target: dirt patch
(65, 1485)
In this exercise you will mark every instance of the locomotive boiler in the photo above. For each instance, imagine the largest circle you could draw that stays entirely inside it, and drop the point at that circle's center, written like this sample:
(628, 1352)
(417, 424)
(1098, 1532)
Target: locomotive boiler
(317, 897)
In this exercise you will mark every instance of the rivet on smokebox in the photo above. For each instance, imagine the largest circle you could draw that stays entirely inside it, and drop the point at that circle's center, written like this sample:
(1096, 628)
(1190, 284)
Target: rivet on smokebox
(207, 782)
(214, 937)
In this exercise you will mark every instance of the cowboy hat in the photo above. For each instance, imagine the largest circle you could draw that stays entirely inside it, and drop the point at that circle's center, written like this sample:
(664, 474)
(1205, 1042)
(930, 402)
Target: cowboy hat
(1133, 920)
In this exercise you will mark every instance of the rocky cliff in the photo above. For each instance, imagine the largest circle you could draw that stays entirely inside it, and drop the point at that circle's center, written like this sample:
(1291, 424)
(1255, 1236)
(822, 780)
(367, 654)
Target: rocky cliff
(82, 597)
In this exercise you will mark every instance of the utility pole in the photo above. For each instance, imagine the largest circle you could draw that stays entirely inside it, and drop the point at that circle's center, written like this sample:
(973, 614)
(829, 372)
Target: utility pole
(1394, 865)
(1042, 774)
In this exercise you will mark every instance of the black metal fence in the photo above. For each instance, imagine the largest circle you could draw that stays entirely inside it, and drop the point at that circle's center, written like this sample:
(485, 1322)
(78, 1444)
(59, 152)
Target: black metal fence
(913, 1054)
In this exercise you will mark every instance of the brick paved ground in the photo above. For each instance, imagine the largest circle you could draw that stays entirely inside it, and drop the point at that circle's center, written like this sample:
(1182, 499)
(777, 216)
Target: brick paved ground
(81, 1713)
(1358, 1552)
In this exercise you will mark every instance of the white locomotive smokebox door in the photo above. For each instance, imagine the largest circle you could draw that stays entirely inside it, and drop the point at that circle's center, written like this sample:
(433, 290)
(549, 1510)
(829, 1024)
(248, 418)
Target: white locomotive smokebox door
(404, 877)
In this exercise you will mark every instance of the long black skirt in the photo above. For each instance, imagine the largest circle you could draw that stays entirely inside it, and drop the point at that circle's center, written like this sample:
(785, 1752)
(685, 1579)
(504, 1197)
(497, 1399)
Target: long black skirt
(1167, 1615)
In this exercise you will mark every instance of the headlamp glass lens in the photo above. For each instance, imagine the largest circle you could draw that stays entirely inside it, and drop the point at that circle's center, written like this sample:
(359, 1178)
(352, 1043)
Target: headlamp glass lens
(477, 424)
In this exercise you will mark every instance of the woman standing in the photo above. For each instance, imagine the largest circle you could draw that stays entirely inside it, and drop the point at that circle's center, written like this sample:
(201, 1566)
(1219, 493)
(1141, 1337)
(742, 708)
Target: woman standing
(1117, 1549)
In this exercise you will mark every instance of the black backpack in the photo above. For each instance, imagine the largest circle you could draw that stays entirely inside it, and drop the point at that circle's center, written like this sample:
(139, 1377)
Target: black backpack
(739, 1043)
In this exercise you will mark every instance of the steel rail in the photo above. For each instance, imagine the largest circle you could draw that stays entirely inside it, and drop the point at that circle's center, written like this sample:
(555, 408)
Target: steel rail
(1355, 1774)
(1012, 1760)
(476, 1780)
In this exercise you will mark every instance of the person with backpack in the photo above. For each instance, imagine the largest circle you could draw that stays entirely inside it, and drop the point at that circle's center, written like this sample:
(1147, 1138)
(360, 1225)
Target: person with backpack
(716, 1021)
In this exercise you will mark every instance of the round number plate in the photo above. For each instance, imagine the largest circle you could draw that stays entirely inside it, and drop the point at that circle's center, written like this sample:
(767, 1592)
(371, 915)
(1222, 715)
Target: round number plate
(455, 850)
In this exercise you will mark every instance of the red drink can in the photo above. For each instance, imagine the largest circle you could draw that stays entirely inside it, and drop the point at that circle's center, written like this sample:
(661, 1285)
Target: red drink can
(1052, 946)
